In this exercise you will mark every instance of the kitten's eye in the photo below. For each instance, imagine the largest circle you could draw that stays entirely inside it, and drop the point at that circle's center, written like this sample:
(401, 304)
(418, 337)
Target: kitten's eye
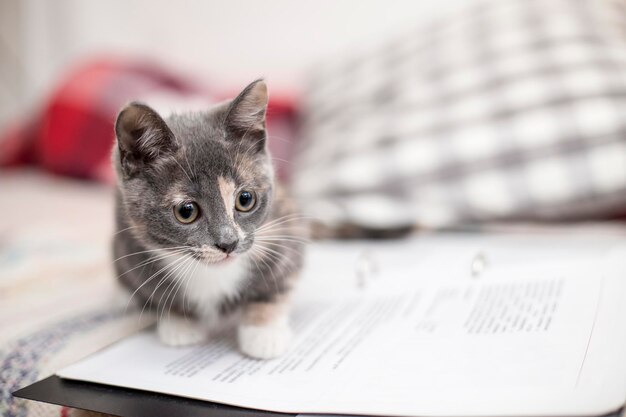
(245, 200)
(186, 212)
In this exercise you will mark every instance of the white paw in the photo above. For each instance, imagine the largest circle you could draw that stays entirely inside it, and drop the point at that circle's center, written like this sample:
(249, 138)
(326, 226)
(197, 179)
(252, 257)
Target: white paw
(266, 341)
(177, 331)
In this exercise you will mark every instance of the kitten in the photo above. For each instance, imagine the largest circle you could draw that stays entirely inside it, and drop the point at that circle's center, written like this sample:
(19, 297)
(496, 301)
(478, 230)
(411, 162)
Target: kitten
(203, 233)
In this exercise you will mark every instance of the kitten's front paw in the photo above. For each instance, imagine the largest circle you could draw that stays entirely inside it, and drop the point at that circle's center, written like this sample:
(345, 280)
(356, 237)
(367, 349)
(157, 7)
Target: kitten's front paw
(264, 341)
(177, 331)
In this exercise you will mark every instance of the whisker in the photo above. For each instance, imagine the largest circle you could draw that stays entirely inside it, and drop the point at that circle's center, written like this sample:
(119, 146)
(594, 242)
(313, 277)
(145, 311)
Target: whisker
(272, 137)
(275, 255)
(150, 278)
(169, 285)
(254, 252)
(153, 276)
(285, 217)
(174, 281)
(278, 258)
(170, 282)
(191, 266)
(252, 145)
(287, 238)
(152, 260)
(282, 220)
(295, 244)
(176, 287)
(151, 250)
(269, 268)
(161, 279)
(284, 161)
(294, 250)
(274, 251)
(193, 173)
(125, 229)
(175, 263)
(181, 167)
(191, 276)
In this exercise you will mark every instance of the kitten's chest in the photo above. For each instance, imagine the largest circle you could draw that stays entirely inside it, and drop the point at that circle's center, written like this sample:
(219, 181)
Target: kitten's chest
(206, 287)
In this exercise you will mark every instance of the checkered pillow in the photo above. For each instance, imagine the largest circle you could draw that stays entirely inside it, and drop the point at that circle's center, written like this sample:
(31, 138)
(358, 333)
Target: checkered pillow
(509, 109)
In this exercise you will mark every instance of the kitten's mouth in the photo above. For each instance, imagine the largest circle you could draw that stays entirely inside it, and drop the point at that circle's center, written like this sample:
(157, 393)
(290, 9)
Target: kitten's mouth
(210, 256)
(227, 259)
(212, 259)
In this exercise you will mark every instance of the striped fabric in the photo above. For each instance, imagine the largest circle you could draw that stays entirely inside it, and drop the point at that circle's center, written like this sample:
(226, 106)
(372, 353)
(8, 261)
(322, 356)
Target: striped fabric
(59, 299)
(506, 110)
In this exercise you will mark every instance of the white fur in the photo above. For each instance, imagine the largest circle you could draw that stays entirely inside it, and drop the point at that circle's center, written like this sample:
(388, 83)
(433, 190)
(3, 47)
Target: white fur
(211, 284)
(204, 287)
(265, 341)
(178, 331)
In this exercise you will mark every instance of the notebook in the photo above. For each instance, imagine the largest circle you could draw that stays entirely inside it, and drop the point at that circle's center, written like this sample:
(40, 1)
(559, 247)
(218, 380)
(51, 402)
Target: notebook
(450, 327)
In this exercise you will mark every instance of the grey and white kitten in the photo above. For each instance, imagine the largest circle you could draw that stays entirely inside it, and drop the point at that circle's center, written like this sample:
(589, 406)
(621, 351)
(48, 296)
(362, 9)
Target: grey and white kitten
(203, 234)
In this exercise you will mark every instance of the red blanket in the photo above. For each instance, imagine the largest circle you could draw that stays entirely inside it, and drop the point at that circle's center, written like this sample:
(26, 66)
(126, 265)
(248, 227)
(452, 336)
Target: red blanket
(72, 133)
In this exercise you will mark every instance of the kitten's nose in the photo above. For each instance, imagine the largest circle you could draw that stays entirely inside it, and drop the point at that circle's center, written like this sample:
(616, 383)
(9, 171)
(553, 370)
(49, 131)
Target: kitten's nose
(227, 246)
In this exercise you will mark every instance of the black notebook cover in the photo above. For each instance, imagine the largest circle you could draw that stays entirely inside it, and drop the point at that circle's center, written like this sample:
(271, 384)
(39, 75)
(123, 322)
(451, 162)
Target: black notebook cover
(125, 402)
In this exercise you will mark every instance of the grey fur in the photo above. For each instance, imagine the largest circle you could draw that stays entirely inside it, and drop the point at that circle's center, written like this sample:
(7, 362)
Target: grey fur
(157, 159)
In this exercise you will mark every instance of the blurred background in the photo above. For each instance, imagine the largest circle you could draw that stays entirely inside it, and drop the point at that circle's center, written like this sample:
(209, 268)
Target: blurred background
(428, 114)
(227, 44)
(384, 118)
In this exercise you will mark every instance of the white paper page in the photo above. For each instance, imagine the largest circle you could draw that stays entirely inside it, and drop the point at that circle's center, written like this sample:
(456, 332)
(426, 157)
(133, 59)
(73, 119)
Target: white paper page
(513, 344)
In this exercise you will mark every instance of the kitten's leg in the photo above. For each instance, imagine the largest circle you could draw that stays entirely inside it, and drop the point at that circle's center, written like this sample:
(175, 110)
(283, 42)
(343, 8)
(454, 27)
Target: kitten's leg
(264, 331)
(175, 330)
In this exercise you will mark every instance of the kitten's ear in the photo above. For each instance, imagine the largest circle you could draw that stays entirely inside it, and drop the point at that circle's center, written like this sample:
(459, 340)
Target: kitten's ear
(245, 116)
(142, 136)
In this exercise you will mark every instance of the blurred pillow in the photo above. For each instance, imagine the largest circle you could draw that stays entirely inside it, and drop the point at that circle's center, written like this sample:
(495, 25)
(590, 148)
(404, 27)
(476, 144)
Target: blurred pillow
(508, 109)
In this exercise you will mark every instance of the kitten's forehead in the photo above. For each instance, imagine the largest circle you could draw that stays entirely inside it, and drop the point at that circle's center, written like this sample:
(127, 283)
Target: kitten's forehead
(209, 153)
